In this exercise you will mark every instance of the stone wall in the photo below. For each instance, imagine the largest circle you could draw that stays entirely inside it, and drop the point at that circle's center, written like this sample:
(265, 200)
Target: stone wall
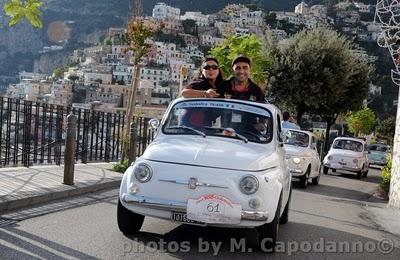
(394, 194)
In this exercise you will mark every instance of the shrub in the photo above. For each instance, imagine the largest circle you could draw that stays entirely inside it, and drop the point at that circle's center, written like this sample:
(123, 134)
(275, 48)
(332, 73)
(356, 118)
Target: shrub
(121, 167)
(386, 174)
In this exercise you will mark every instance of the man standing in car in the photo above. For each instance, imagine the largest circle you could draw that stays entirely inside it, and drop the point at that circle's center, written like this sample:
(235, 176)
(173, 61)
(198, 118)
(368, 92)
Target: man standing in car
(240, 86)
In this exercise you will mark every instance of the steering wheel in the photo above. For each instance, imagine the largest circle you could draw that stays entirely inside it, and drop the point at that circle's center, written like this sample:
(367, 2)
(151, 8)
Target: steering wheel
(250, 133)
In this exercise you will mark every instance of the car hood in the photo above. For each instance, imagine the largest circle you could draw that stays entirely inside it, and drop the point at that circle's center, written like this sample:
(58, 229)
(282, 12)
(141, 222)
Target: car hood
(292, 150)
(346, 153)
(375, 154)
(212, 152)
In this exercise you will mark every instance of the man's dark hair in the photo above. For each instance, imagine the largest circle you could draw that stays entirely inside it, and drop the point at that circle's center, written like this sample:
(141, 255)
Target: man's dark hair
(241, 58)
(286, 116)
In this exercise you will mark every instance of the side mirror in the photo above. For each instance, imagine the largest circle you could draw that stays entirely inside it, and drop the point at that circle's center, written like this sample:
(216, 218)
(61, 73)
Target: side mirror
(154, 123)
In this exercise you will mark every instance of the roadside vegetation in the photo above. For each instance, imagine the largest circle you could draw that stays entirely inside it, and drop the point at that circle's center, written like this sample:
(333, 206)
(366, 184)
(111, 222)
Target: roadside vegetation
(121, 166)
(386, 175)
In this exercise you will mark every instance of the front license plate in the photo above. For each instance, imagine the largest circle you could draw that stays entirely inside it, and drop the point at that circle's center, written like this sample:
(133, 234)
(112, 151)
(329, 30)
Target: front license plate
(182, 218)
(342, 163)
(212, 208)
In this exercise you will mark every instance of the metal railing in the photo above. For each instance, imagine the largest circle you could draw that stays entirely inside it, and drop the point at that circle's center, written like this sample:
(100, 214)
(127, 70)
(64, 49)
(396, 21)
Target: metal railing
(34, 133)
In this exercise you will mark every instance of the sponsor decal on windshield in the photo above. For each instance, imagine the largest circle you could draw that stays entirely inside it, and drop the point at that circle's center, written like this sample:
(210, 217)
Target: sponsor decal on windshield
(224, 105)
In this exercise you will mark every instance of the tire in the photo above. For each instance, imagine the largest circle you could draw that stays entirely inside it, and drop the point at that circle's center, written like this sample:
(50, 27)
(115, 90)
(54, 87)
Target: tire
(128, 222)
(268, 233)
(325, 170)
(359, 174)
(333, 170)
(304, 178)
(315, 180)
(285, 215)
(365, 174)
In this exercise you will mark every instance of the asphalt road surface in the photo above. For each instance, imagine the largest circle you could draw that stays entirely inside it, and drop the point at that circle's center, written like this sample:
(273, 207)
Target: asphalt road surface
(328, 221)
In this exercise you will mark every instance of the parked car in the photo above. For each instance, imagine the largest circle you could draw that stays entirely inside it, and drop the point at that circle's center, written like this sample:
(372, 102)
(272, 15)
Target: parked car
(348, 154)
(213, 162)
(302, 155)
(378, 154)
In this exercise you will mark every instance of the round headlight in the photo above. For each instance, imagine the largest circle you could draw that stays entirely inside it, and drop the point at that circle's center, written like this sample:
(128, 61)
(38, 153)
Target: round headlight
(248, 184)
(296, 160)
(329, 157)
(143, 172)
(355, 161)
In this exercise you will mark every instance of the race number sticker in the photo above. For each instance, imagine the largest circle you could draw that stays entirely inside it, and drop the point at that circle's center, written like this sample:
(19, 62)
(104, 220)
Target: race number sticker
(212, 208)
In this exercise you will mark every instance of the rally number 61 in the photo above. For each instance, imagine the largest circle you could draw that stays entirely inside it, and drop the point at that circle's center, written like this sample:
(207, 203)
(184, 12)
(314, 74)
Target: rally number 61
(213, 207)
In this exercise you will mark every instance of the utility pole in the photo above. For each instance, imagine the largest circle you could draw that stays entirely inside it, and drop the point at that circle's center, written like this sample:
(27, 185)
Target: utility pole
(387, 12)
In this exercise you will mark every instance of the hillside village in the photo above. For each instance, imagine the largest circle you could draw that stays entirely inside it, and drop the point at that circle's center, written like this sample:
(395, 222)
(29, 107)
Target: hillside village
(98, 77)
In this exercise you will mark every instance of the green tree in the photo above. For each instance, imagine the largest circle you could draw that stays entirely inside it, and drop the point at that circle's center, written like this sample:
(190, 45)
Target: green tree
(73, 77)
(107, 41)
(18, 10)
(249, 46)
(270, 19)
(361, 122)
(190, 27)
(386, 129)
(318, 73)
(58, 73)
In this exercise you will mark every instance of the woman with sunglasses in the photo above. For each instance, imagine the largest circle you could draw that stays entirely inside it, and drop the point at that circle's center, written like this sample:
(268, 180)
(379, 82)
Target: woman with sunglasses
(208, 82)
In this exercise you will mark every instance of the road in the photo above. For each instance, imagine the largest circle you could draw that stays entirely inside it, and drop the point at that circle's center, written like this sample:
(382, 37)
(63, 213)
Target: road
(324, 219)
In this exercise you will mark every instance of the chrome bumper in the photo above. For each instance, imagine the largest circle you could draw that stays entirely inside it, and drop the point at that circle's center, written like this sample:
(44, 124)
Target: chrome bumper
(296, 172)
(170, 205)
(343, 167)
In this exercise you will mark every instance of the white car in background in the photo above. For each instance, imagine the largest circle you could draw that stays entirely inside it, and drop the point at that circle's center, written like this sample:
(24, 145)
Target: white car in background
(302, 156)
(348, 154)
(213, 162)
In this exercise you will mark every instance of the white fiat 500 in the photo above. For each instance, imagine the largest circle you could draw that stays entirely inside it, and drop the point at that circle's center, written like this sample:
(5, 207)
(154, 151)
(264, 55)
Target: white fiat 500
(348, 154)
(214, 162)
(302, 155)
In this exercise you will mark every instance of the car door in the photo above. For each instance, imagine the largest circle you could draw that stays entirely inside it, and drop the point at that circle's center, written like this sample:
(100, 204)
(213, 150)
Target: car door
(316, 159)
(366, 156)
(286, 177)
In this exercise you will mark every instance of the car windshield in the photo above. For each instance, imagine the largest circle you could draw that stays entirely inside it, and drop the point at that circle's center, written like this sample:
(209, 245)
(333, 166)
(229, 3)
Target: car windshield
(379, 148)
(348, 145)
(296, 138)
(220, 118)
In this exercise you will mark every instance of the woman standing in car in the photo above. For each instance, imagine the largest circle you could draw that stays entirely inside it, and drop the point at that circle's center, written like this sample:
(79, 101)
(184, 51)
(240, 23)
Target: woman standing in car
(208, 82)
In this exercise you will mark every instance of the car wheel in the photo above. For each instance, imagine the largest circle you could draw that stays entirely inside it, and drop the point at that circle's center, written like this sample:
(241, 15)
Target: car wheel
(365, 174)
(359, 174)
(326, 169)
(268, 233)
(304, 178)
(315, 180)
(285, 215)
(333, 170)
(128, 222)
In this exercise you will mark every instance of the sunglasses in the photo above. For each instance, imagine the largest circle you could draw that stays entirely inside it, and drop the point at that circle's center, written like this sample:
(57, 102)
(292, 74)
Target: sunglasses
(208, 67)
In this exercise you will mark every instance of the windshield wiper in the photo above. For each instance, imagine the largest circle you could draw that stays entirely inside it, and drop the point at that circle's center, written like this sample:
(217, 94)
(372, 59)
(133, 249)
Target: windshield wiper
(189, 128)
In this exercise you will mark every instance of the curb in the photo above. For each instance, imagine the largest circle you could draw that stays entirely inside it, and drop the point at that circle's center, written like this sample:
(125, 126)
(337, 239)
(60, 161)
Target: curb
(10, 205)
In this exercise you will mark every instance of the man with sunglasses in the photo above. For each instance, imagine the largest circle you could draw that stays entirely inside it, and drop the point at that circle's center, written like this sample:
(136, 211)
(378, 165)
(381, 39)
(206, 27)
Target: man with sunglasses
(240, 86)
(208, 83)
